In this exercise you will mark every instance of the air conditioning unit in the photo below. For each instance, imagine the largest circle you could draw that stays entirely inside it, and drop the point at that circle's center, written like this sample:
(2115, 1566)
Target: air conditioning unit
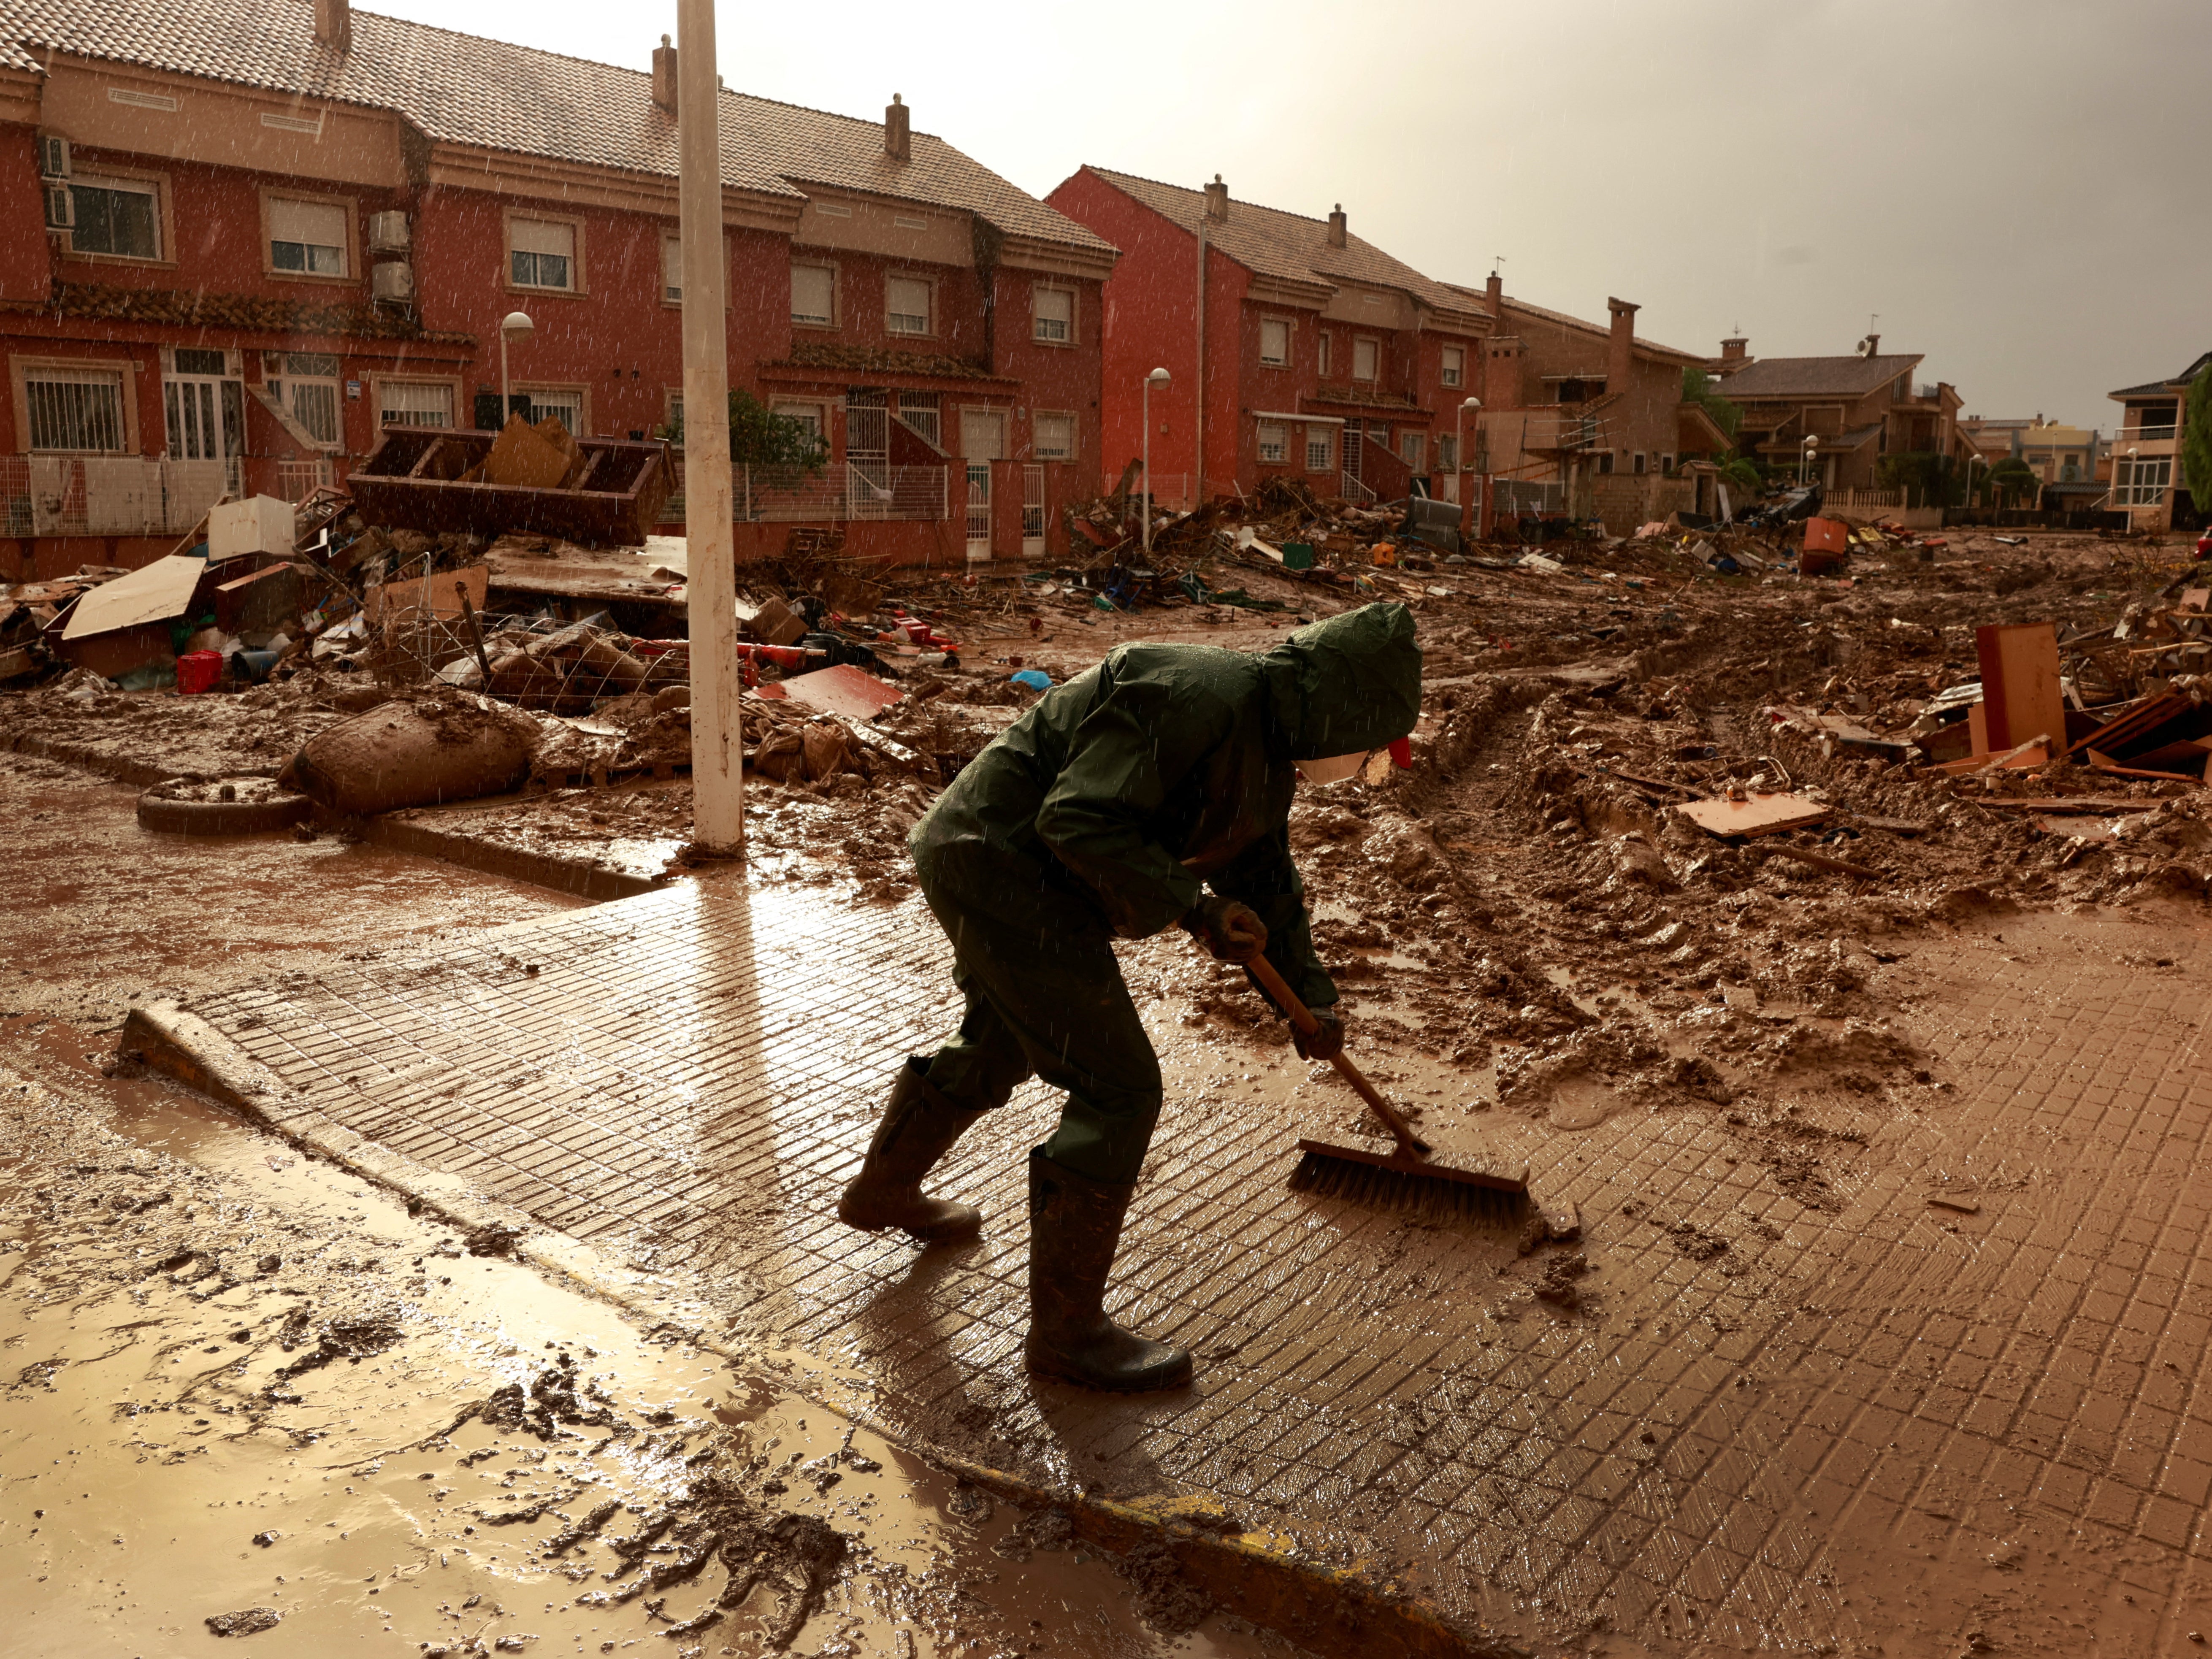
(387, 233)
(61, 207)
(53, 156)
(393, 280)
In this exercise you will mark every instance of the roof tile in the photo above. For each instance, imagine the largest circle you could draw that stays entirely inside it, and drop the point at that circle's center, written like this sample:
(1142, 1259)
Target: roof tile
(1288, 245)
(1815, 377)
(466, 89)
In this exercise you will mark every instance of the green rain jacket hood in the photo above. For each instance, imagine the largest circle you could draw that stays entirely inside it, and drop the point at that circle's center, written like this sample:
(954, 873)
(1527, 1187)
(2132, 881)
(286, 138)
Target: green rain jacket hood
(1167, 767)
(1346, 684)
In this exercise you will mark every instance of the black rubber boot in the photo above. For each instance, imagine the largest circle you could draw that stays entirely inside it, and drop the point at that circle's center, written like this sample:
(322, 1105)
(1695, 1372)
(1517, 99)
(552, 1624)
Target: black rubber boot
(1075, 1226)
(920, 1125)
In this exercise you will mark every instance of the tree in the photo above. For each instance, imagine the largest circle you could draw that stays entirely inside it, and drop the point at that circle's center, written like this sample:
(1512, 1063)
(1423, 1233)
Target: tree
(2197, 440)
(1697, 388)
(1743, 473)
(761, 437)
(1926, 476)
(2011, 479)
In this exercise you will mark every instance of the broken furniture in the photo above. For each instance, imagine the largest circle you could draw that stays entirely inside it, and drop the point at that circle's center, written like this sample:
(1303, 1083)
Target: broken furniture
(434, 479)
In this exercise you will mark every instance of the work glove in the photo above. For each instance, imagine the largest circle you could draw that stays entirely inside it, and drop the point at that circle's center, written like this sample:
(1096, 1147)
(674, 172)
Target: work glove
(1327, 1042)
(1233, 932)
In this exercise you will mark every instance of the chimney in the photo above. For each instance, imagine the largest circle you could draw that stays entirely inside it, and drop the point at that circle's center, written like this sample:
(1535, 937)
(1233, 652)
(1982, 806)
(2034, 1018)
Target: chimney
(1217, 201)
(664, 76)
(1494, 291)
(334, 24)
(1336, 227)
(1734, 349)
(1503, 369)
(1871, 346)
(898, 143)
(1619, 359)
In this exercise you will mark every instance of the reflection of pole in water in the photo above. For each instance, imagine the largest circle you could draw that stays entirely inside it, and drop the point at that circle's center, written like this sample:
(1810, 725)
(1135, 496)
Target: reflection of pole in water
(717, 740)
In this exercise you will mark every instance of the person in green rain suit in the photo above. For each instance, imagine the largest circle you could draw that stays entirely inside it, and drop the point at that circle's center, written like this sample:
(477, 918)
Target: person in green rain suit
(1106, 811)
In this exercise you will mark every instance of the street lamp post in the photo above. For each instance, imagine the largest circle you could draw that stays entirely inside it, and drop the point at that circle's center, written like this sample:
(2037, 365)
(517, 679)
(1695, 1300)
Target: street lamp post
(1468, 406)
(1158, 377)
(515, 325)
(1808, 452)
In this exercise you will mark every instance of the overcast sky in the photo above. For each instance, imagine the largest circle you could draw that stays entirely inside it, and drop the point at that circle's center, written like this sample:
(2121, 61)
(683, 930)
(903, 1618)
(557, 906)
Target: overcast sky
(2021, 190)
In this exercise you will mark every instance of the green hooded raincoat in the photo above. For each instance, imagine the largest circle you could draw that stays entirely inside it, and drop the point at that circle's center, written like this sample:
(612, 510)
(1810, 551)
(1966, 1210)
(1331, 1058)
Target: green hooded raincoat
(1104, 811)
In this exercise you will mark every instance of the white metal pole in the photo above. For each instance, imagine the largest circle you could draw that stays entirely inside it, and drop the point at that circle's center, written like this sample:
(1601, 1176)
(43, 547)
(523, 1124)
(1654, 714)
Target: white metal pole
(505, 402)
(718, 801)
(1147, 411)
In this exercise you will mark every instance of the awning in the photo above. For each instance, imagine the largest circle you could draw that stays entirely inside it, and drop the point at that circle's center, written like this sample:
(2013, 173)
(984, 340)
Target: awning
(1310, 420)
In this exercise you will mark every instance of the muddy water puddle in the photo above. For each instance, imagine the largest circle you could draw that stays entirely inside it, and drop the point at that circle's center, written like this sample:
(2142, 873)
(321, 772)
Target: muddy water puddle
(241, 1384)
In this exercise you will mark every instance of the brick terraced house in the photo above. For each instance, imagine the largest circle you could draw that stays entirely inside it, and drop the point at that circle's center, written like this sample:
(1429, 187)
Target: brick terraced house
(270, 229)
(1589, 417)
(1859, 408)
(1307, 351)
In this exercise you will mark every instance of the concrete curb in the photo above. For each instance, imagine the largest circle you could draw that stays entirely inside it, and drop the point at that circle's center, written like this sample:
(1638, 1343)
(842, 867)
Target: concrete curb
(1262, 1575)
(574, 877)
(121, 768)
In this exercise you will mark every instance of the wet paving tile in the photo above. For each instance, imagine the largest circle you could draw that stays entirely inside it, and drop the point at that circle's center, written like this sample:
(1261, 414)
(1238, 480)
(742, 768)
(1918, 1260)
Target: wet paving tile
(701, 1067)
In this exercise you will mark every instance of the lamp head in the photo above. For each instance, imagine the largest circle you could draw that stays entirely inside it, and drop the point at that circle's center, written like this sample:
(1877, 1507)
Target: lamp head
(1158, 377)
(1470, 404)
(517, 324)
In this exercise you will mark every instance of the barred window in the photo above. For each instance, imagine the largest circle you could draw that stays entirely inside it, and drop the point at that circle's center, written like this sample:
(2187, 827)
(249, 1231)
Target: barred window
(75, 409)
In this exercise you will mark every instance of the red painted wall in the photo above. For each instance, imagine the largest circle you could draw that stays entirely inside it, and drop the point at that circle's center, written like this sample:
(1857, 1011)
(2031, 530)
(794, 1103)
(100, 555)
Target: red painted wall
(1150, 317)
(25, 252)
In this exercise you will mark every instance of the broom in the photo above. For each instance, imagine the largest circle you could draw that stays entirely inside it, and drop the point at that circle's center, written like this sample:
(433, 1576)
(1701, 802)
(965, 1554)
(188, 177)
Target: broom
(1410, 1177)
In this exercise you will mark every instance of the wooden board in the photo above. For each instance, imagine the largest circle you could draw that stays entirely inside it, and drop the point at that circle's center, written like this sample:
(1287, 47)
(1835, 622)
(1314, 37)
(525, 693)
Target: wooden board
(1760, 815)
(2019, 682)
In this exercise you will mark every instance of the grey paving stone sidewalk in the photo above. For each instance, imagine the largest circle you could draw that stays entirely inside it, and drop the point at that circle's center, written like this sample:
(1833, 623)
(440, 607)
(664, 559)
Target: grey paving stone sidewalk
(695, 1072)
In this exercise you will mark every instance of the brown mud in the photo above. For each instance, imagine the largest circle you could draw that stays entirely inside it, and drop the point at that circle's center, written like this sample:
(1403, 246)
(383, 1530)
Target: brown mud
(252, 1398)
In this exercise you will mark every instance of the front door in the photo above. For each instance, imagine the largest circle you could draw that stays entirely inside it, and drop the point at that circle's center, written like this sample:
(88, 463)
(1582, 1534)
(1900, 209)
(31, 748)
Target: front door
(207, 421)
(1033, 512)
(979, 511)
(982, 440)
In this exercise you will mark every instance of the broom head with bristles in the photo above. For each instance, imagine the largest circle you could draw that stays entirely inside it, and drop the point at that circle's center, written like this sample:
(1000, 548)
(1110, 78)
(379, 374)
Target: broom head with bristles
(1426, 1187)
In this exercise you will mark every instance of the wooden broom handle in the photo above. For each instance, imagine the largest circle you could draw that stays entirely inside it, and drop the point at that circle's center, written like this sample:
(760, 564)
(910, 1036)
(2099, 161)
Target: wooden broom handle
(1409, 1143)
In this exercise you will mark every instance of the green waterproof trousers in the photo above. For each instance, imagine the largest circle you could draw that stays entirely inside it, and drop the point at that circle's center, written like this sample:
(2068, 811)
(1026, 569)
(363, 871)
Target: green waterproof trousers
(1045, 997)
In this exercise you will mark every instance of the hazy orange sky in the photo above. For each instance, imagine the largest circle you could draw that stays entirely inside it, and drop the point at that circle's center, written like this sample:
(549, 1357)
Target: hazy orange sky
(2021, 190)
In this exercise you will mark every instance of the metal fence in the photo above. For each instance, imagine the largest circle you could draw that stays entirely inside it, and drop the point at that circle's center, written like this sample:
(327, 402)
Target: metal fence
(1522, 498)
(106, 495)
(297, 480)
(857, 491)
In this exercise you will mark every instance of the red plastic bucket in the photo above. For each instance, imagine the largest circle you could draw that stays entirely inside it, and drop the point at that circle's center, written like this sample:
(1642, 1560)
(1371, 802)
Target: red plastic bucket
(197, 672)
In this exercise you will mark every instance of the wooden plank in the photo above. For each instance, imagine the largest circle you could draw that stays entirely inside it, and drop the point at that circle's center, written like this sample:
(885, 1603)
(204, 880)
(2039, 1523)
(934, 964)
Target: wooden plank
(2140, 720)
(2019, 682)
(2105, 764)
(1822, 861)
(1758, 815)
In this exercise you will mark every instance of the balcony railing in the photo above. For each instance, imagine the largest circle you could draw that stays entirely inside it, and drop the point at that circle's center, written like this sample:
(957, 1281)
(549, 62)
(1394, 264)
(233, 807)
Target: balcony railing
(1563, 432)
(861, 492)
(2142, 435)
(106, 495)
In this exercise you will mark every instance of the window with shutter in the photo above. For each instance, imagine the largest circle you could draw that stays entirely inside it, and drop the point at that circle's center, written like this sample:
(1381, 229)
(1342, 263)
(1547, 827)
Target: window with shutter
(1366, 360)
(309, 238)
(413, 402)
(1455, 366)
(813, 294)
(1055, 437)
(905, 306)
(672, 270)
(1054, 314)
(119, 217)
(542, 254)
(1321, 447)
(1275, 342)
(1272, 443)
